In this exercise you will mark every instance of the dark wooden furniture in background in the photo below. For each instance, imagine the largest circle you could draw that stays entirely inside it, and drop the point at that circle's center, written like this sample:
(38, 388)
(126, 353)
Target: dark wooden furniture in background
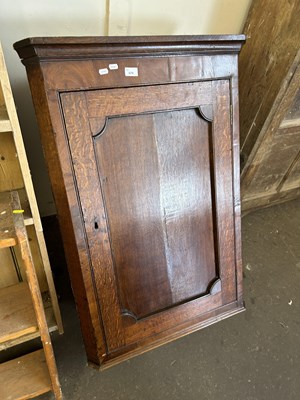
(270, 104)
(141, 139)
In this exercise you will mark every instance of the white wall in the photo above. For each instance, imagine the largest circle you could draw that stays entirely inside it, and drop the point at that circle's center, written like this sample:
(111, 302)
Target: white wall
(176, 17)
(20, 19)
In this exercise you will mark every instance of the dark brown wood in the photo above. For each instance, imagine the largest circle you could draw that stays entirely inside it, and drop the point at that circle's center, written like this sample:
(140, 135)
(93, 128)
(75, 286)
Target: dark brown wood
(141, 164)
(269, 86)
(58, 48)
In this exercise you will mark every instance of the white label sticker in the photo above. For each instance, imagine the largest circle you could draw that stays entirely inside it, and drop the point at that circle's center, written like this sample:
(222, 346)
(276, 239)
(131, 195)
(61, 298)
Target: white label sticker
(113, 66)
(131, 71)
(103, 71)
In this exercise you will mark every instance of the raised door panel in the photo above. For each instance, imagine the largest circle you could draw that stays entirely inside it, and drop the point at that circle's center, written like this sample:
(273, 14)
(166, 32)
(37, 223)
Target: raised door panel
(153, 170)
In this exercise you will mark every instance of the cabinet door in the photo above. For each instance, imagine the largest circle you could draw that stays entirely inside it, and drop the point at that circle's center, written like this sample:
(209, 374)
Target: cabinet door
(153, 172)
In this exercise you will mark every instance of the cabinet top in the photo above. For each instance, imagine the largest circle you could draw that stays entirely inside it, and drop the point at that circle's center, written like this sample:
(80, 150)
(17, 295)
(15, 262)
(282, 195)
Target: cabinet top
(64, 48)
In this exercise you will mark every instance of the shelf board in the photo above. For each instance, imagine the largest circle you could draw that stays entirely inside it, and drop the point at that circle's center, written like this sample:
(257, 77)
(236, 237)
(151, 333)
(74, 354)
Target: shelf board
(17, 319)
(5, 125)
(28, 220)
(24, 377)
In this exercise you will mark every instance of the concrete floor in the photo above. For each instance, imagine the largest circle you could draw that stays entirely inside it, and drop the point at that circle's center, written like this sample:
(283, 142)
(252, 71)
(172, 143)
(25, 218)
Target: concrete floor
(252, 356)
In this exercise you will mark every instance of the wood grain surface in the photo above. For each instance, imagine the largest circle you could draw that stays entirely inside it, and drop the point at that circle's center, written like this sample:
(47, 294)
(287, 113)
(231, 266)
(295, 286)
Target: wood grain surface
(265, 60)
(146, 182)
(269, 87)
(161, 239)
(25, 377)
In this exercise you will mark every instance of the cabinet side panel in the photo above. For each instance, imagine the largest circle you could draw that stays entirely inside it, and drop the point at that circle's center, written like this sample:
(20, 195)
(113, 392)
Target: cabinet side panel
(224, 177)
(52, 134)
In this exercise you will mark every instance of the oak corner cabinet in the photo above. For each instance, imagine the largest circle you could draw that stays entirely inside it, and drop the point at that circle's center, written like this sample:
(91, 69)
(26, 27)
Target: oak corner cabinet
(141, 139)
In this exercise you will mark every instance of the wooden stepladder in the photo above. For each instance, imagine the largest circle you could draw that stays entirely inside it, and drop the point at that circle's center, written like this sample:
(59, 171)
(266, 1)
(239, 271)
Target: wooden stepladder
(22, 312)
(15, 175)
